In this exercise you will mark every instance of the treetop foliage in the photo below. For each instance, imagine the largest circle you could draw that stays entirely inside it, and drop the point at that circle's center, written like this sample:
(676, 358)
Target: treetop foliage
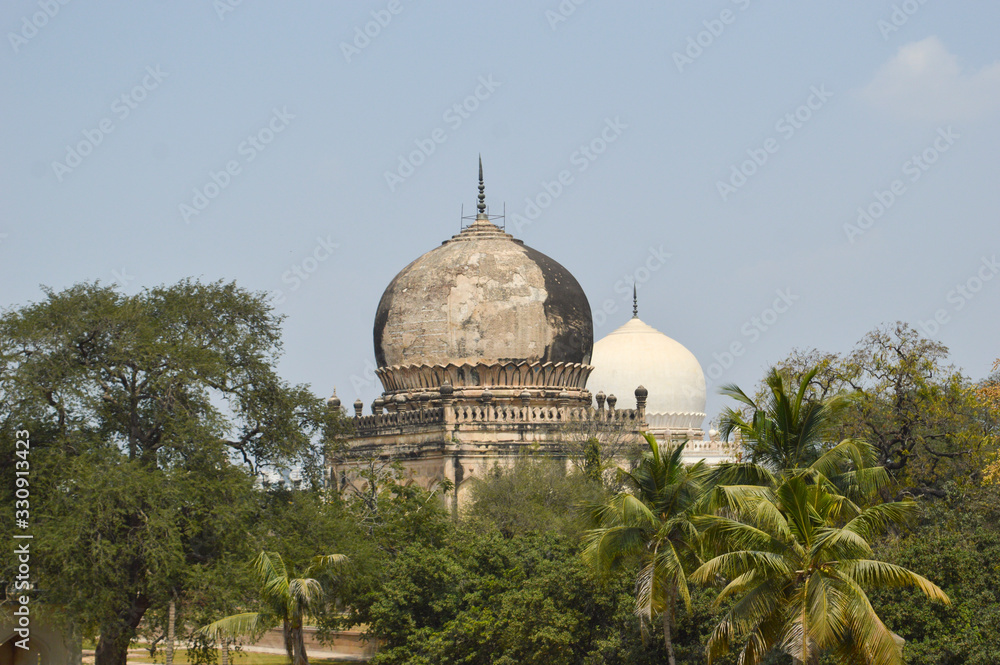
(150, 416)
(929, 424)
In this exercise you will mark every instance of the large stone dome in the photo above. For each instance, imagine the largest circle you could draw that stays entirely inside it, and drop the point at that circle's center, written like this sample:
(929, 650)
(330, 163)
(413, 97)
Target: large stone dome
(483, 296)
(638, 354)
(483, 301)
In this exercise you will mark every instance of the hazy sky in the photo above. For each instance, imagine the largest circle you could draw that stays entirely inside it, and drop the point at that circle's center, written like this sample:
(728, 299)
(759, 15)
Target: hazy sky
(834, 161)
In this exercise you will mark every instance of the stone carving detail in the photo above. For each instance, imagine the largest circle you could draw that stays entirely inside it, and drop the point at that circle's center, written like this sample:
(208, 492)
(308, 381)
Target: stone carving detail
(378, 421)
(503, 381)
(411, 378)
(719, 447)
(495, 415)
(543, 414)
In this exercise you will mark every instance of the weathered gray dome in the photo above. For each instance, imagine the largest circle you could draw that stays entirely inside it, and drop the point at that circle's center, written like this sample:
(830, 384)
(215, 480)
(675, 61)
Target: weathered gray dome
(483, 296)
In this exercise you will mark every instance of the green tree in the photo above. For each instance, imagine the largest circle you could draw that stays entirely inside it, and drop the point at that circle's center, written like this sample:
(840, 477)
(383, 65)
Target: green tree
(958, 537)
(989, 391)
(381, 521)
(785, 434)
(929, 424)
(651, 523)
(797, 561)
(484, 598)
(286, 601)
(486, 589)
(150, 417)
(597, 447)
(923, 417)
(785, 429)
(533, 494)
(790, 530)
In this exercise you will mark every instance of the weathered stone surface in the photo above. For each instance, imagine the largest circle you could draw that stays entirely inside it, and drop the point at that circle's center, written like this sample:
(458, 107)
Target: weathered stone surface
(483, 297)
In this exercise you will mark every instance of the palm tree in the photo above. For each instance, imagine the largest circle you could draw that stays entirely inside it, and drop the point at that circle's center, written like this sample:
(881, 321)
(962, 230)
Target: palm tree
(651, 524)
(788, 436)
(286, 601)
(792, 532)
(797, 560)
(788, 430)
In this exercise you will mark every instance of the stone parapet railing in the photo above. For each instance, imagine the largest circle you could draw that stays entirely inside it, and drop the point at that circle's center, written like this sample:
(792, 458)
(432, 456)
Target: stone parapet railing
(712, 452)
(497, 415)
(541, 414)
(719, 447)
(398, 419)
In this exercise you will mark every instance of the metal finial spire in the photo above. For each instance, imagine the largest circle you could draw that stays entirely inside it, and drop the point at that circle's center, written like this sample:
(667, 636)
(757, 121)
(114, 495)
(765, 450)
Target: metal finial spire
(482, 189)
(635, 303)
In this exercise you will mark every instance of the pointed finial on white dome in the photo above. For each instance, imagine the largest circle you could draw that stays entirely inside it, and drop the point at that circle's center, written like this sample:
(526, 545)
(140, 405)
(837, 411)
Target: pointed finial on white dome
(635, 303)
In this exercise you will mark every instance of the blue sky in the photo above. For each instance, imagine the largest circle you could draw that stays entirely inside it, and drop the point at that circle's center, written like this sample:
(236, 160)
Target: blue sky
(836, 161)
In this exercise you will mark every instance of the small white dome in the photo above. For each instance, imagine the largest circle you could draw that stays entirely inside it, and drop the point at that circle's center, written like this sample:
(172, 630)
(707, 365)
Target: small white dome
(637, 354)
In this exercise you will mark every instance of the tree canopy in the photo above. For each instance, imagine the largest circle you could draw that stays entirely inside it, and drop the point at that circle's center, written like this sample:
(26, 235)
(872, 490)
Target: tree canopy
(151, 416)
(929, 424)
(156, 418)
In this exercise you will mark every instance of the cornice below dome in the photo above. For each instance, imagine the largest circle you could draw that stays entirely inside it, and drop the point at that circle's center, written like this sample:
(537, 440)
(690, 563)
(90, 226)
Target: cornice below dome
(504, 381)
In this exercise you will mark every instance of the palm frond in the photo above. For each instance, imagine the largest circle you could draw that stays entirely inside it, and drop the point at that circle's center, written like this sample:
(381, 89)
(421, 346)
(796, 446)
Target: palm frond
(325, 561)
(273, 577)
(742, 473)
(847, 455)
(733, 564)
(863, 482)
(835, 544)
(247, 624)
(733, 391)
(872, 639)
(826, 605)
(726, 534)
(607, 548)
(761, 640)
(874, 520)
(871, 573)
(734, 498)
(303, 593)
